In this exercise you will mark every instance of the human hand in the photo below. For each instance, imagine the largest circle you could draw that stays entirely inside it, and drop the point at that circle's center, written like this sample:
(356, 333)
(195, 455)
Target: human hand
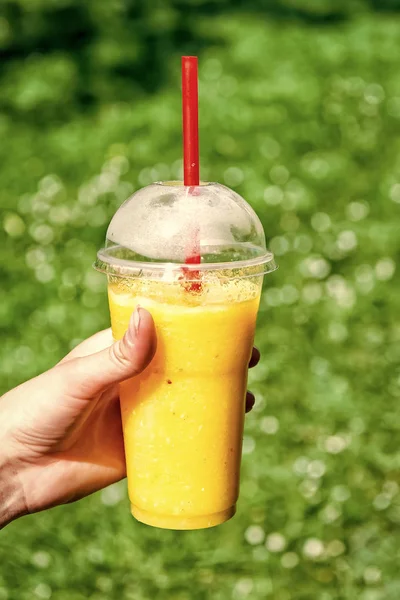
(61, 432)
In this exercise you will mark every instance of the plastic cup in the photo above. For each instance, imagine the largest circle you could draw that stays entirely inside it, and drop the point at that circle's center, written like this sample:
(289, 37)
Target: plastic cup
(183, 416)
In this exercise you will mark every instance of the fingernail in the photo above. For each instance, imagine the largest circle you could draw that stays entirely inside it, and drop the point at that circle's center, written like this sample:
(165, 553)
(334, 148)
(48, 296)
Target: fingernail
(136, 319)
(134, 325)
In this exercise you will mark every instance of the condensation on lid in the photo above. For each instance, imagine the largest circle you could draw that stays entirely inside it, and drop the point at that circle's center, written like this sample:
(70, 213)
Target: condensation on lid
(166, 222)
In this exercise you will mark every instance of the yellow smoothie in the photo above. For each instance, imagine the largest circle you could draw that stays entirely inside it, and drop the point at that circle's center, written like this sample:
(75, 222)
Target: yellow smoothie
(183, 416)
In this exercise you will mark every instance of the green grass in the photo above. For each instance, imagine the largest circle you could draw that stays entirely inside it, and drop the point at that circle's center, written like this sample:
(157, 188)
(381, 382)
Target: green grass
(304, 122)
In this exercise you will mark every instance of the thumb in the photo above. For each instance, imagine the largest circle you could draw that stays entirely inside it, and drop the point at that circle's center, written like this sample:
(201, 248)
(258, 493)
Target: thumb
(125, 358)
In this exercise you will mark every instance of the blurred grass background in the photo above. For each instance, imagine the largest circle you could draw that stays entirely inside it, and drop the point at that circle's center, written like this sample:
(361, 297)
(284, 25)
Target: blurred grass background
(300, 113)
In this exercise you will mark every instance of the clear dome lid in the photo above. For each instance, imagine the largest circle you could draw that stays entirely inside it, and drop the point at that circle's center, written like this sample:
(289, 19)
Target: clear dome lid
(166, 223)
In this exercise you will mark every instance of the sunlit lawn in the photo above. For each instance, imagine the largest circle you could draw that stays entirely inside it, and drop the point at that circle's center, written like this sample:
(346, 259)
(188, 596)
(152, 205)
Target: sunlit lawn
(304, 123)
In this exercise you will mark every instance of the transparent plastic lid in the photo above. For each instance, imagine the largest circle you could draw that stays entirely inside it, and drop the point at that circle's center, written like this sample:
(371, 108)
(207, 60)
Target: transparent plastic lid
(163, 224)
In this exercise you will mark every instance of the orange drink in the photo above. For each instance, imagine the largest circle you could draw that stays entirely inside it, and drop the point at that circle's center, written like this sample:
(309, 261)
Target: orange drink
(195, 258)
(183, 416)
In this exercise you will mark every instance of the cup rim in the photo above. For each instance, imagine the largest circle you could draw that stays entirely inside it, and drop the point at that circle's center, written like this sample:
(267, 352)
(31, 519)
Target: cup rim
(125, 268)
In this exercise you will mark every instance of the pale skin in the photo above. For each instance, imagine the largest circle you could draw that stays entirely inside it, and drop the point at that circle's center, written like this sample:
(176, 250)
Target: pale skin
(61, 434)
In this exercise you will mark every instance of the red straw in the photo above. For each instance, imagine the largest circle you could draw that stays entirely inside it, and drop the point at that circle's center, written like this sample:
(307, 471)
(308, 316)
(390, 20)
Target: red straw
(190, 120)
(190, 117)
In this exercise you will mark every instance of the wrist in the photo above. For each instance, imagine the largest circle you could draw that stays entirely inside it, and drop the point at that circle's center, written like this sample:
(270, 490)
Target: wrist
(12, 501)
